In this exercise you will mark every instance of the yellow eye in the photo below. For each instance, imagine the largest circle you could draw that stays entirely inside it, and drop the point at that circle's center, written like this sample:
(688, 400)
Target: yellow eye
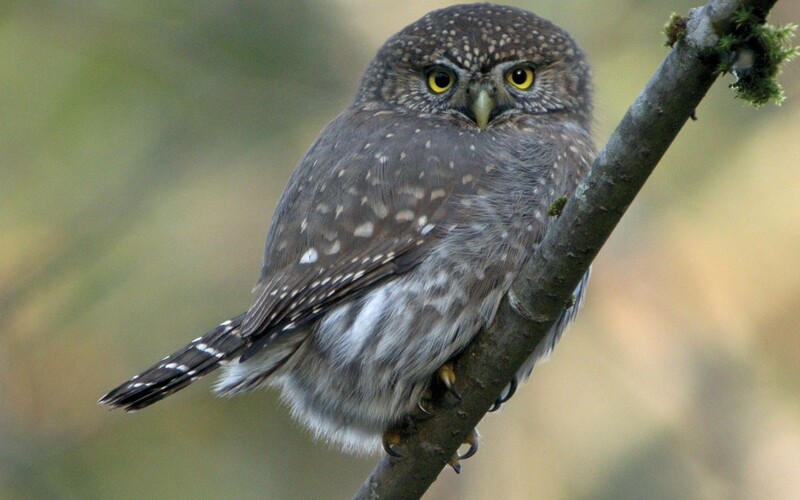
(440, 80)
(520, 77)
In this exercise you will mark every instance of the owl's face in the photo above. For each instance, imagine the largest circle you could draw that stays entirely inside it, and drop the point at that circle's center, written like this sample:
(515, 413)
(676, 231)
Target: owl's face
(480, 66)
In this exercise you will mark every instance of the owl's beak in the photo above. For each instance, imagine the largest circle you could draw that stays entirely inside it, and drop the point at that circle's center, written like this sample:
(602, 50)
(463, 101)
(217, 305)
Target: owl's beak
(482, 107)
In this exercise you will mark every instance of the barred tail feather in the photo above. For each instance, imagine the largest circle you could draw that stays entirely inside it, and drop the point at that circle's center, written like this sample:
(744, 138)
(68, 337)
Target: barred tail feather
(200, 357)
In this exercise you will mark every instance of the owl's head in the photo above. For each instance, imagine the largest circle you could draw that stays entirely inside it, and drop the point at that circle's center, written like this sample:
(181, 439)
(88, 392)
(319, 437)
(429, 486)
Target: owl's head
(482, 65)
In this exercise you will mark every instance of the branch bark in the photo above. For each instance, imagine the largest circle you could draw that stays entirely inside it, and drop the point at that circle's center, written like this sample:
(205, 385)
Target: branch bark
(544, 287)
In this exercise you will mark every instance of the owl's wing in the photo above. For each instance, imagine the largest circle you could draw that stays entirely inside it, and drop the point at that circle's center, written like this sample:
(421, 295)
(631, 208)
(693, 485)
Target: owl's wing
(366, 203)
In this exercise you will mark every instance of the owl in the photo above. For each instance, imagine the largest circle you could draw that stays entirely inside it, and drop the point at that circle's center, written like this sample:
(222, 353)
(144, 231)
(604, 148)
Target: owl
(403, 226)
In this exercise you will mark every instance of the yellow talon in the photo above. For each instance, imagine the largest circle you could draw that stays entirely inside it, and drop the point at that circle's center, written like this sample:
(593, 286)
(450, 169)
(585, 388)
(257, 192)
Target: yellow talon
(391, 438)
(448, 378)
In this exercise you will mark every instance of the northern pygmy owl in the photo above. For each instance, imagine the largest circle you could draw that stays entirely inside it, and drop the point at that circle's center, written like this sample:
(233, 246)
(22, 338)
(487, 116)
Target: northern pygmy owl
(404, 225)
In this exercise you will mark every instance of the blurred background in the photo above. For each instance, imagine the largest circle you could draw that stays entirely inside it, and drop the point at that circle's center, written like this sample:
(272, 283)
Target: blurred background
(143, 146)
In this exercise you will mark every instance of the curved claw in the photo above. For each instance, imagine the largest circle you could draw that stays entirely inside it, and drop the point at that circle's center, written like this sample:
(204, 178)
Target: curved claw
(390, 439)
(473, 440)
(512, 388)
(424, 414)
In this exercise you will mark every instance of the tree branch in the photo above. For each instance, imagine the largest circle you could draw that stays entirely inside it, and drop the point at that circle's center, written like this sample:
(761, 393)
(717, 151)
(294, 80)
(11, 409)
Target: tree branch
(542, 290)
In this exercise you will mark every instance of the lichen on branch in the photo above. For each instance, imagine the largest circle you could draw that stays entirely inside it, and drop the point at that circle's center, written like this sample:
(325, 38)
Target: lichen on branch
(754, 52)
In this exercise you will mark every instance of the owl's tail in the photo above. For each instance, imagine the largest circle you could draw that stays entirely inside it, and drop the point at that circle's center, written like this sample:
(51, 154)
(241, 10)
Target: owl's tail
(200, 357)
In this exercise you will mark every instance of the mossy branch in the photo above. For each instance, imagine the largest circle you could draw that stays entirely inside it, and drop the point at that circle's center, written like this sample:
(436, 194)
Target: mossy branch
(586, 221)
(754, 52)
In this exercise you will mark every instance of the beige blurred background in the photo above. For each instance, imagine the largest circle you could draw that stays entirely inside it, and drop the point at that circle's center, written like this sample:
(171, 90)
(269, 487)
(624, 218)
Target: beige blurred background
(142, 149)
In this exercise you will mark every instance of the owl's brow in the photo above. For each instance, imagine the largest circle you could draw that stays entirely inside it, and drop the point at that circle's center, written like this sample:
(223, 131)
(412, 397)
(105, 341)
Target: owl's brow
(510, 62)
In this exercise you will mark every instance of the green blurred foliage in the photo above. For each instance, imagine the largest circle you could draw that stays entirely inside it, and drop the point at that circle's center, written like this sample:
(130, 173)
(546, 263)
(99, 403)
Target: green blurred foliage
(142, 150)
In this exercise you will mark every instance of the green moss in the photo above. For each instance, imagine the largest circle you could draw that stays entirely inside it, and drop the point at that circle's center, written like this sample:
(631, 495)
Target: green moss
(744, 16)
(674, 30)
(754, 53)
(557, 206)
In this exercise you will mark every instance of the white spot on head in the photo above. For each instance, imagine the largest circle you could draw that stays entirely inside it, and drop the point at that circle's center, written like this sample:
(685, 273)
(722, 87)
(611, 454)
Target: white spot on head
(309, 257)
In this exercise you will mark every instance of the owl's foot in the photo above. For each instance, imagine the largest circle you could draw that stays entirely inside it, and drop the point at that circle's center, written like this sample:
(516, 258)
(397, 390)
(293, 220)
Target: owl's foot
(512, 388)
(448, 377)
(473, 440)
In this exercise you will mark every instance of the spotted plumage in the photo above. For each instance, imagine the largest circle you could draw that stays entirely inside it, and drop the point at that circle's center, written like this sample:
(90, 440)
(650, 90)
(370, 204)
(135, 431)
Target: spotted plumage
(404, 225)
